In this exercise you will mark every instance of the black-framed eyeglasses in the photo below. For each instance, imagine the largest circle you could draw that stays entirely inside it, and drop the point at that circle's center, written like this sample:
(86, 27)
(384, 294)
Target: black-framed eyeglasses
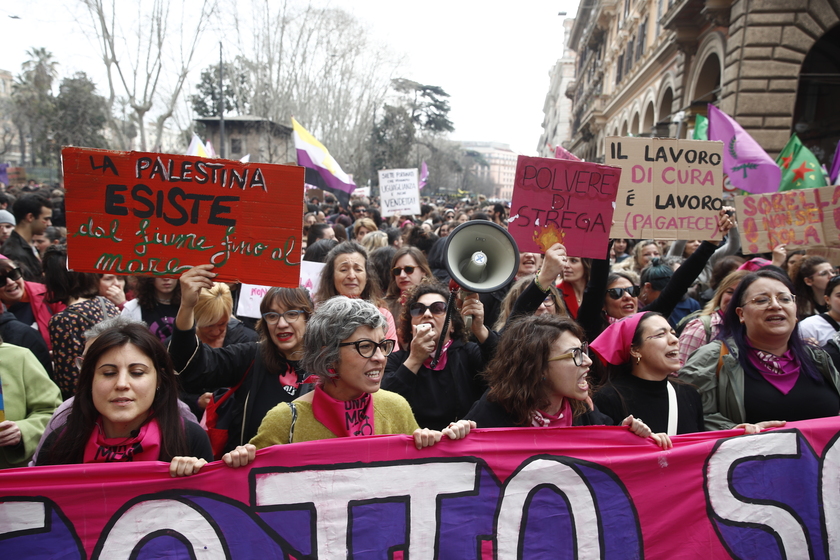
(397, 270)
(575, 354)
(418, 309)
(548, 302)
(618, 293)
(14, 275)
(273, 317)
(367, 348)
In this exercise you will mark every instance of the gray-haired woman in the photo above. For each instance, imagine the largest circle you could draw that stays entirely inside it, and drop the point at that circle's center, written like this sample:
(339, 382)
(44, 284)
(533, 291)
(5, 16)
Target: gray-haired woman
(345, 346)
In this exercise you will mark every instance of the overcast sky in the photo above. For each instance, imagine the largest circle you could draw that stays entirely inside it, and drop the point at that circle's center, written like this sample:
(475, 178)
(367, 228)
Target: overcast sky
(492, 56)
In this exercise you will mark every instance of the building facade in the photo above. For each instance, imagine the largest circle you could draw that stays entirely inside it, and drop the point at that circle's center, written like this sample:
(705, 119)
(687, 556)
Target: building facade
(266, 141)
(500, 169)
(557, 123)
(648, 67)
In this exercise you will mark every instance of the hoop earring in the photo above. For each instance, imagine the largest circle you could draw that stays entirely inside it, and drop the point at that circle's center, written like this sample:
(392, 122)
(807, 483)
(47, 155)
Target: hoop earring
(638, 359)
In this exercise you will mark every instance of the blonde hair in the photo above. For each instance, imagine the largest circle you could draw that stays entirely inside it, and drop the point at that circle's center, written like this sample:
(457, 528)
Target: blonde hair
(731, 280)
(375, 240)
(213, 304)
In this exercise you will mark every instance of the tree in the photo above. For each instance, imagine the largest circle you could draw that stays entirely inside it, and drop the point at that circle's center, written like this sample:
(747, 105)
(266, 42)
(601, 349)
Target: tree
(34, 104)
(81, 114)
(236, 83)
(142, 65)
(392, 140)
(427, 105)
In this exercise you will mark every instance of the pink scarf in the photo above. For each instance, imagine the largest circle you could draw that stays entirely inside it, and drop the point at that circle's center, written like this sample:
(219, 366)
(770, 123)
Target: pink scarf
(344, 418)
(781, 372)
(144, 446)
(540, 419)
(290, 378)
(443, 357)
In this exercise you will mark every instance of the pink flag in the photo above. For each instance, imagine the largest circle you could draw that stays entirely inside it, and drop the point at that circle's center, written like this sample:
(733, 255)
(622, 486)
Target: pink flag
(562, 153)
(747, 164)
(424, 174)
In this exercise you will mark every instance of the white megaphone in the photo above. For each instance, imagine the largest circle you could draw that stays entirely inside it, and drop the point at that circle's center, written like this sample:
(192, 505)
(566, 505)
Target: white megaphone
(480, 256)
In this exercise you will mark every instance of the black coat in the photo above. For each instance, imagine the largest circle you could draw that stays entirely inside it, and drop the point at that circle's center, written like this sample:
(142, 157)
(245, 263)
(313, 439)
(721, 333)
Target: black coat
(489, 414)
(21, 334)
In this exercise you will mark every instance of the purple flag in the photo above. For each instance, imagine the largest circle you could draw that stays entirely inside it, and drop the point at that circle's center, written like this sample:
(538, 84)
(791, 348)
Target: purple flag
(747, 164)
(424, 174)
(4, 174)
(835, 167)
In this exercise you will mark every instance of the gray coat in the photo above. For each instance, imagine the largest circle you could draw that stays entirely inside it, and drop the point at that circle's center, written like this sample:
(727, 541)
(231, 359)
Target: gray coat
(723, 393)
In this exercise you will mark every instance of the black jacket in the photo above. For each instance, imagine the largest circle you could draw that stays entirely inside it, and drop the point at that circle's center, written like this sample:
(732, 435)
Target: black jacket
(21, 334)
(17, 249)
(489, 414)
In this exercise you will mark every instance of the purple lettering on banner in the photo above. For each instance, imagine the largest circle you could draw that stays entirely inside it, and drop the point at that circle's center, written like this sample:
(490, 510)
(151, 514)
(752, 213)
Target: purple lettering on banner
(38, 530)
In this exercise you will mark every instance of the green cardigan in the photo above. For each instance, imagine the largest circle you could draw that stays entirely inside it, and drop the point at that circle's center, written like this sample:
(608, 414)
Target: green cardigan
(391, 413)
(29, 397)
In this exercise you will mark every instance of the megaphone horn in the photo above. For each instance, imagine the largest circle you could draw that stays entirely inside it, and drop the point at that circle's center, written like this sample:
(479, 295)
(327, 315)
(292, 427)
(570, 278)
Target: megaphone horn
(481, 256)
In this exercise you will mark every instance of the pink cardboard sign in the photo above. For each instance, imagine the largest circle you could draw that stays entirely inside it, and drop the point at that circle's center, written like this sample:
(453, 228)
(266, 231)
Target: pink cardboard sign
(565, 201)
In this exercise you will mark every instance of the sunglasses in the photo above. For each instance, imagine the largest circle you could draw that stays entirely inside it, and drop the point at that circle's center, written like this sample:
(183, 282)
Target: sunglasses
(618, 293)
(397, 270)
(418, 309)
(14, 275)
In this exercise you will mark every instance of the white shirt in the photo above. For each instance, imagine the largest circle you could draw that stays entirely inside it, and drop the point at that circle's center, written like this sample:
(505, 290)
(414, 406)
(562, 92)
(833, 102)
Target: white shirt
(817, 328)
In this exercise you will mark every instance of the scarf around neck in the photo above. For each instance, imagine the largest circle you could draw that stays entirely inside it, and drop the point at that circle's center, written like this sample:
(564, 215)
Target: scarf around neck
(781, 372)
(540, 419)
(142, 445)
(344, 418)
(443, 358)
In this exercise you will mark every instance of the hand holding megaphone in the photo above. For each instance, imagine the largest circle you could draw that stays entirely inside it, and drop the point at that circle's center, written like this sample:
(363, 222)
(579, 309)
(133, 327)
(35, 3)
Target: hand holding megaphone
(472, 307)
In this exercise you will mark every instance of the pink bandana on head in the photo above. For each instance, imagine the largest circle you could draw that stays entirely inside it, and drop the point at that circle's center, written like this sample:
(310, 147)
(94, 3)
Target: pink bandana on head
(344, 418)
(613, 345)
(145, 446)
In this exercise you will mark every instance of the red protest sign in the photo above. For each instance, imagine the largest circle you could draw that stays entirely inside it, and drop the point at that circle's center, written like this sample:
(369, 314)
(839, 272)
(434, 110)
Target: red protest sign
(565, 201)
(159, 214)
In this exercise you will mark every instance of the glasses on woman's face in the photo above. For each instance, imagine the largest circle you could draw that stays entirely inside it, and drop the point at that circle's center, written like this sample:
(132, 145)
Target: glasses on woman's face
(575, 354)
(273, 317)
(823, 273)
(14, 275)
(367, 348)
(397, 270)
(618, 293)
(419, 309)
(548, 302)
(763, 302)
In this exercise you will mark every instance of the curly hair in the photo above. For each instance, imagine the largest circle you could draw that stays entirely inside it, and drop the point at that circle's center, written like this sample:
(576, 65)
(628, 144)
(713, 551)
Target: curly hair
(427, 286)
(516, 375)
(335, 321)
(146, 293)
(69, 448)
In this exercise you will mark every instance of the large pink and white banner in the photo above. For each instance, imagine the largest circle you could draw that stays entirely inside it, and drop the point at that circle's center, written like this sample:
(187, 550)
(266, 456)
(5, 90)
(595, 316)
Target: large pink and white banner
(573, 493)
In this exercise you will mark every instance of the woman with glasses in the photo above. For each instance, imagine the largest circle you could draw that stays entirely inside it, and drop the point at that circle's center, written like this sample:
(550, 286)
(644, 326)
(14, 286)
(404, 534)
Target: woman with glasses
(408, 268)
(760, 370)
(27, 301)
(444, 392)
(346, 348)
(824, 327)
(642, 351)
(810, 279)
(349, 273)
(263, 373)
(539, 378)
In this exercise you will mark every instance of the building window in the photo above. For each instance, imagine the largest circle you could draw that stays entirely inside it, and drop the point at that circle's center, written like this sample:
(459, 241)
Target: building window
(640, 46)
(619, 68)
(235, 146)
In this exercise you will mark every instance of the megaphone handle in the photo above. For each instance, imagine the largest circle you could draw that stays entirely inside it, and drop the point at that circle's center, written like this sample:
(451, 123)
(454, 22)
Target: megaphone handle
(449, 305)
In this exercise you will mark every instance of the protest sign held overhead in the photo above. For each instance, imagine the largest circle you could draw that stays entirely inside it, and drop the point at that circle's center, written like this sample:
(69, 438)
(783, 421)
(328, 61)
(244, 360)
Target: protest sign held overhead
(562, 201)
(801, 219)
(159, 214)
(399, 192)
(670, 189)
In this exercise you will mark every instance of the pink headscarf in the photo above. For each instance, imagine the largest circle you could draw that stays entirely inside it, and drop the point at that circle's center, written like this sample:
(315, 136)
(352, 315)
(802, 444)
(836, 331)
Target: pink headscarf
(613, 345)
(754, 264)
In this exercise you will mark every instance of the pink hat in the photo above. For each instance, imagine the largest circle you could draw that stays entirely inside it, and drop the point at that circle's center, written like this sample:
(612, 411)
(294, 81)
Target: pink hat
(613, 345)
(754, 264)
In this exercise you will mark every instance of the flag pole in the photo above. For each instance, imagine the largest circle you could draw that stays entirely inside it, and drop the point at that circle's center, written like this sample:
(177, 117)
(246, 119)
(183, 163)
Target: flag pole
(221, 106)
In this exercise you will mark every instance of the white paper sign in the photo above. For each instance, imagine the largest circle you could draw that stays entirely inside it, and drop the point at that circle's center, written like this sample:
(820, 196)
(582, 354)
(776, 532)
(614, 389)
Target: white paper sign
(310, 275)
(398, 192)
(250, 296)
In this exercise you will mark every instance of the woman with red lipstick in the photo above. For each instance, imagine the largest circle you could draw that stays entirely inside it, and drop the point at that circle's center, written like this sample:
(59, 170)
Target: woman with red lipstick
(26, 300)
(760, 370)
(348, 272)
(539, 378)
(408, 268)
(262, 373)
(126, 410)
(156, 304)
(643, 353)
(443, 393)
(346, 348)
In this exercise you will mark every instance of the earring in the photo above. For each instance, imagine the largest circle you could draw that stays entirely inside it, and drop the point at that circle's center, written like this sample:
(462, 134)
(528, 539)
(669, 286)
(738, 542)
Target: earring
(332, 372)
(638, 359)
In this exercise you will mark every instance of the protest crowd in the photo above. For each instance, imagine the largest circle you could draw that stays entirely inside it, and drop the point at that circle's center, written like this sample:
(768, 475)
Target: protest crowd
(664, 337)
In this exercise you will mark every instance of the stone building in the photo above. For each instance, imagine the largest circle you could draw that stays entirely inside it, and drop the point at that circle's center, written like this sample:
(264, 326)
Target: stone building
(557, 123)
(500, 170)
(266, 141)
(648, 67)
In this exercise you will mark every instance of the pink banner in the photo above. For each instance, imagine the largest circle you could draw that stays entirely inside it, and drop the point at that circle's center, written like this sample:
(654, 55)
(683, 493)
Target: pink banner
(568, 493)
(563, 201)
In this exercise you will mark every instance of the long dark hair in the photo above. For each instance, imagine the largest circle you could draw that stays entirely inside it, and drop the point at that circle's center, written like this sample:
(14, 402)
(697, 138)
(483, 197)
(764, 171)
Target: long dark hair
(69, 448)
(289, 298)
(62, 284)
(146, 293)
(516, 376)
(805, 301)
(731, 327)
